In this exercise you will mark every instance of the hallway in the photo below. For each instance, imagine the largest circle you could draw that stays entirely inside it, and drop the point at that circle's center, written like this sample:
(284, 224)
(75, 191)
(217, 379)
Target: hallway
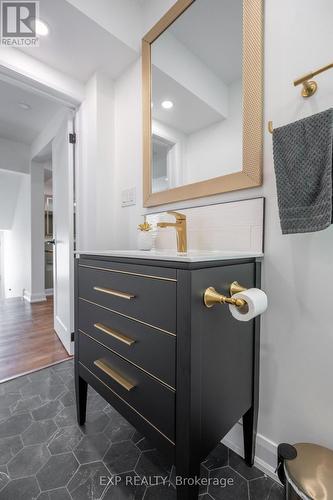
(27, 339)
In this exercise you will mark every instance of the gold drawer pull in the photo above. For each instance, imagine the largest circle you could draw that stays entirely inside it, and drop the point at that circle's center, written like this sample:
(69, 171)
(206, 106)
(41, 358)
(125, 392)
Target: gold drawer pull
(109, 291)
(102, 365)
(117, 335)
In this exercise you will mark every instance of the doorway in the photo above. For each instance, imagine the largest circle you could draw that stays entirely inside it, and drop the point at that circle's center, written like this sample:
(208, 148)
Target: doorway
(36, 229)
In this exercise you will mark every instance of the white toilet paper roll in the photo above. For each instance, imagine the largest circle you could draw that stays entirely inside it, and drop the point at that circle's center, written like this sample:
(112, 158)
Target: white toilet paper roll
(256, 303)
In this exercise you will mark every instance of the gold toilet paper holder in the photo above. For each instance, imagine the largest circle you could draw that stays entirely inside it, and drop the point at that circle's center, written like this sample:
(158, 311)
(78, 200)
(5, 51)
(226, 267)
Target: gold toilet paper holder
(212, 297)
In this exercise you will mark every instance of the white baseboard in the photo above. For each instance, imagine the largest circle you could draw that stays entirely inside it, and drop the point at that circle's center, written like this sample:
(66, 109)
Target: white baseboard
(34, 297)
(266, 450)
(48, 292)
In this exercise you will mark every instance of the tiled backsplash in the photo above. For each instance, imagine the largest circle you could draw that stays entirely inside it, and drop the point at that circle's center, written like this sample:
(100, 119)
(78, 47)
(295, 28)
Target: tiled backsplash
(227, 226)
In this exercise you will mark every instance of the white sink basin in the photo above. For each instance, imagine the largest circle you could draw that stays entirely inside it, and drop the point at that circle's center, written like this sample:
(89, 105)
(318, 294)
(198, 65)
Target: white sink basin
(190, 256)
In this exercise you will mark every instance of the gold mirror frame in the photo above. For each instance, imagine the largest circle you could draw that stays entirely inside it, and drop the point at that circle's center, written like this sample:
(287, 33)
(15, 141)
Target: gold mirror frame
(251, 175)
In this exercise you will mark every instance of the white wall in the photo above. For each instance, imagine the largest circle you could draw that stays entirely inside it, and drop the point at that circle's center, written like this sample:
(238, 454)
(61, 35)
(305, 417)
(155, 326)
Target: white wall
(96, 153)
(10, 183)
(297, 338)
(24, 239)
(22, 218)
(218, 148)
(128, 155)
(17, 251)
(14, 156)
(104, 166)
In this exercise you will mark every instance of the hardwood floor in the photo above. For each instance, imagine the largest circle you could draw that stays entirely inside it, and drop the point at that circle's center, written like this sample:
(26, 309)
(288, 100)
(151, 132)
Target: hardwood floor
(27, 339)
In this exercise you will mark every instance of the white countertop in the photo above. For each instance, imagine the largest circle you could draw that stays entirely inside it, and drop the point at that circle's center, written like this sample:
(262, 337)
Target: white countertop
(190, 256)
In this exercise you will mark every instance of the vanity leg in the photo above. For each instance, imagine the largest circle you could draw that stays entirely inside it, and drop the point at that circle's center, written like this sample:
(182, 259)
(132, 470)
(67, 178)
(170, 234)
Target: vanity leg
(250, 434)
(81, 391)
(186, 491)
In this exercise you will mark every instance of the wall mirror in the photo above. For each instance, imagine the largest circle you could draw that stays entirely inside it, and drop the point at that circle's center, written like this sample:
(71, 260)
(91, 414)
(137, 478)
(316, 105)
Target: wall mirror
(202, 100)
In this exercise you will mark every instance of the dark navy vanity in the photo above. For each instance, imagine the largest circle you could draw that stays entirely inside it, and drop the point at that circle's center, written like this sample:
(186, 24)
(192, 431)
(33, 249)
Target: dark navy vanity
(180, 373)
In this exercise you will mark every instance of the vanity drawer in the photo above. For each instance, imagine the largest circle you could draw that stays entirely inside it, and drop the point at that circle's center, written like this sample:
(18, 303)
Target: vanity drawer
(149, 348)
(146, 298)
(153, 400)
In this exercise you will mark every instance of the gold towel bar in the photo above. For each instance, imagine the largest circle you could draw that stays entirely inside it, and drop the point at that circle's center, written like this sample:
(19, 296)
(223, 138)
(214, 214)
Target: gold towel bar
(309, 86)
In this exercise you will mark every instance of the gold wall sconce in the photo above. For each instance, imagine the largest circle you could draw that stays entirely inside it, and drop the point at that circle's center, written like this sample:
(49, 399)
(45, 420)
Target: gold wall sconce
(212, 297)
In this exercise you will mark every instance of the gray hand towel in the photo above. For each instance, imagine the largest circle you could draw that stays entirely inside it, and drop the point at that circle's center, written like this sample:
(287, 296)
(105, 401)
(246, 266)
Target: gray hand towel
(303, 169)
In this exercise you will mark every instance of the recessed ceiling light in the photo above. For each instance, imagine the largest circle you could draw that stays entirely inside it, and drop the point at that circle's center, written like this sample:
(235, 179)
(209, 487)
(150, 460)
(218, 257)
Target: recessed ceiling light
(41, 27)
(167, 104)
(24, 106)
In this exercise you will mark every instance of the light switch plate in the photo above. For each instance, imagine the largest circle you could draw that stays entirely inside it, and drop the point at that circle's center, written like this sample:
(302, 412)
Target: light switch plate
(128, 197)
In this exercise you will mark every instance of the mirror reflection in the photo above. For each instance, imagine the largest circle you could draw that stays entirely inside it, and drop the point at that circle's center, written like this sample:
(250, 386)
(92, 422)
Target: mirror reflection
(197, 95)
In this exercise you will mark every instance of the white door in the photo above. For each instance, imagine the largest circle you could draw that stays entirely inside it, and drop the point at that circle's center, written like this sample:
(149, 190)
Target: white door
(63, 230)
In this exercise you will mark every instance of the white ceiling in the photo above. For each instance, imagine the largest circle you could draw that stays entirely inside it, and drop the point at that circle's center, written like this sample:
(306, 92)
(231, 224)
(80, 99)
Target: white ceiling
(18, 124)
(212, 30)
(78, 46)
(189, 113)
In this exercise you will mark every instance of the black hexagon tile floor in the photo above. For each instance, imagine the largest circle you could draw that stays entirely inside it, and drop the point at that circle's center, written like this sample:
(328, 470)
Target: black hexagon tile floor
(45, 455)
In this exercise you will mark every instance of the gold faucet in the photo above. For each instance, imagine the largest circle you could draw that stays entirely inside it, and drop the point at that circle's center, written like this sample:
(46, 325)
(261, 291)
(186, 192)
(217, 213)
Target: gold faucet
(180, 226)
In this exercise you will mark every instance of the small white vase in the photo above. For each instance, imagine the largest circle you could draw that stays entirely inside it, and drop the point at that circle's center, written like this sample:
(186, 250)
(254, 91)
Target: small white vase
(145, 240)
